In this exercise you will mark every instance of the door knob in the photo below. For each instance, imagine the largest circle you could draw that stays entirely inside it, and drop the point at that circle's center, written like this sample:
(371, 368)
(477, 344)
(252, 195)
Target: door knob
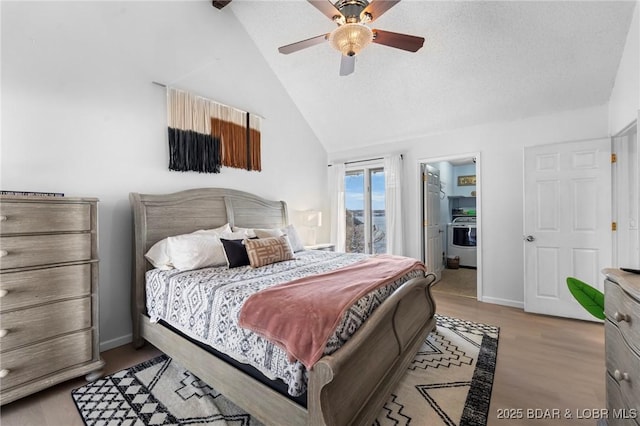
(530, 238)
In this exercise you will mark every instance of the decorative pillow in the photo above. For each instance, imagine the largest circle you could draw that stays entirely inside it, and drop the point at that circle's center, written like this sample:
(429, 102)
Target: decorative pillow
(289, 231)
(268, 233)
(265, 251)
(235, 252)
(197, 250)
(294, 238)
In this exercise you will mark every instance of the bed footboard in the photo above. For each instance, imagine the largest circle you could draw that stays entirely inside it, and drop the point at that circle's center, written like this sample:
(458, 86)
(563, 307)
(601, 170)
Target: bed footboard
(351, 386)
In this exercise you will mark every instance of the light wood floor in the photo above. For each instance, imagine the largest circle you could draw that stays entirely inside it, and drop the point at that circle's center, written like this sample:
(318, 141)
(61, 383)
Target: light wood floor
(461, 281)
(543, 363)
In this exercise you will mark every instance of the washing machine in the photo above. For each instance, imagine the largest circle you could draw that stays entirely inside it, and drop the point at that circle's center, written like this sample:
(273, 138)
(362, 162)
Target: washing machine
(462, 240)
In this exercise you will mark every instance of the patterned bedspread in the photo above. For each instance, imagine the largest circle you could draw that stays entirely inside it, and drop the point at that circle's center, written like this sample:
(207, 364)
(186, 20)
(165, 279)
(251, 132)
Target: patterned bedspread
(205, 303)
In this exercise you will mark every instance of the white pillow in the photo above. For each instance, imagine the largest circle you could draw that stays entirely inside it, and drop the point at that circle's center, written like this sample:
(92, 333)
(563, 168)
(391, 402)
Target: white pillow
(197, 250)
(289, 231)
(295, 240)
(216, 231)
(248, 232)
(268, 233)
(235, 235)
(160, 256)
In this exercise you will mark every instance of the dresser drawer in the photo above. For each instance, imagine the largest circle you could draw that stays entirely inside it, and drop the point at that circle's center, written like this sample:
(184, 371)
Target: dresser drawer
(19, 328)
(34, 250)
(31, 217)
(620, 413)
(622, 364)
(621, 309)
(31, 362)
(26, 288)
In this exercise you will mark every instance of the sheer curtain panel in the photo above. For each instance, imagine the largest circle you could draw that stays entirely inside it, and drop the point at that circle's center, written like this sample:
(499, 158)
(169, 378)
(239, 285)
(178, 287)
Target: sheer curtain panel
(338, 217)
(393, 171)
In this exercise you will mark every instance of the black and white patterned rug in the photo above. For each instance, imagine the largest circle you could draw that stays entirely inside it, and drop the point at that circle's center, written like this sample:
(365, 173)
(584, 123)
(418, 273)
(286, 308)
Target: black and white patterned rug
(449, 382)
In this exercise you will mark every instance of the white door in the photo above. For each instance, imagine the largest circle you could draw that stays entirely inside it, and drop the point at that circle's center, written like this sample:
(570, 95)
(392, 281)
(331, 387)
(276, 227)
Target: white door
(626, 201)
(431, 214)
(567, 223)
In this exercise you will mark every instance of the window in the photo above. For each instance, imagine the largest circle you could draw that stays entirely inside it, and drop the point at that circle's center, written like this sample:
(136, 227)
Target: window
(365, 210)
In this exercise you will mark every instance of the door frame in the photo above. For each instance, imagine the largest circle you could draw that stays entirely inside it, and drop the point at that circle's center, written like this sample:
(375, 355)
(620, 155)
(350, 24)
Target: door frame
(431, 160)
(619, 169)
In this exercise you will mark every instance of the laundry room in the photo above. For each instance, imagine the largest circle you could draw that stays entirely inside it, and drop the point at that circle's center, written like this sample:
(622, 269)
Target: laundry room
(458, 224)
(461, 219)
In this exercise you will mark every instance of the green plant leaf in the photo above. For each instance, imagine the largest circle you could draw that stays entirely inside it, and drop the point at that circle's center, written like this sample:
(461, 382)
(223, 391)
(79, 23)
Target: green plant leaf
(590, 298)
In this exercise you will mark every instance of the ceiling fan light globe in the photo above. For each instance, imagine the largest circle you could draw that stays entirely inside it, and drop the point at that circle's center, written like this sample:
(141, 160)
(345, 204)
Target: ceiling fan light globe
(351, 38)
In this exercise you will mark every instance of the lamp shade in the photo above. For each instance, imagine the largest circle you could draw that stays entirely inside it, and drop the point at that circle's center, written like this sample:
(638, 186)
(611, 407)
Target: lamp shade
(308, 224)
(351, 38)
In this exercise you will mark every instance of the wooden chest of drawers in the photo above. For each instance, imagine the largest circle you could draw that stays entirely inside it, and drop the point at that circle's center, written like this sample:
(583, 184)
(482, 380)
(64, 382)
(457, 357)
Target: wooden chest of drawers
(48, 293)
(622, 346)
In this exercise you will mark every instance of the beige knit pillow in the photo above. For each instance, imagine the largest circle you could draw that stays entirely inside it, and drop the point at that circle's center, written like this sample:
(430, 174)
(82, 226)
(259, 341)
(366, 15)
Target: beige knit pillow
(264, 251)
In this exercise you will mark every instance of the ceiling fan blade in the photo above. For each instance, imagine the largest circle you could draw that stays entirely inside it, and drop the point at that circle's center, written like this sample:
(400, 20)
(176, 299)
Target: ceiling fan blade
(397, 40)
(299, 45)
(377, 7)
(347, 64)
(326, 7)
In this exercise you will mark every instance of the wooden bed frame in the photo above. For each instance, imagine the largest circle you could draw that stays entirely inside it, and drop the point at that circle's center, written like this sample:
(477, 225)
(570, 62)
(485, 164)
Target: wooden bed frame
(348, 387)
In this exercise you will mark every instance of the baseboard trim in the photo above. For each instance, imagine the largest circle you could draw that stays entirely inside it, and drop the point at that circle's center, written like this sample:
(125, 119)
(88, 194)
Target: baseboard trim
(114, 343)
(504, 302)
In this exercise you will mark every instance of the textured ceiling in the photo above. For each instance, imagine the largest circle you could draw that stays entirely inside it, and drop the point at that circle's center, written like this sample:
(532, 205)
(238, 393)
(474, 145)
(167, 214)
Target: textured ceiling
(481, 62)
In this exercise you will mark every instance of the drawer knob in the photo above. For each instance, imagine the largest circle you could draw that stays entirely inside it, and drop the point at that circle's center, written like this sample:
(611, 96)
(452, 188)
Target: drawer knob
(4, 373)
(621, 317)
(621, 376)
(3, 293)
(3, 218)
(4, 253)
(4, 332)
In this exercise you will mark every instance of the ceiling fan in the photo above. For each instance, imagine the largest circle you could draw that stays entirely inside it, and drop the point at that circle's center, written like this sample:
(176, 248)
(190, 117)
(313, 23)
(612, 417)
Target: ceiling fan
(353, 34)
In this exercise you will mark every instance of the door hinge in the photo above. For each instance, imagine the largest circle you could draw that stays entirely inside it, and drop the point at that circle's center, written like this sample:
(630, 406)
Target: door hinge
(614, 157)
(614, 226)
(425, 177)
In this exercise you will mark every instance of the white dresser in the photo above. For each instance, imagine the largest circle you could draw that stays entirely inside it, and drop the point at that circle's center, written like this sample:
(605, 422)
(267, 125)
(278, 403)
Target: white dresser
(622, 346)
(48, 293)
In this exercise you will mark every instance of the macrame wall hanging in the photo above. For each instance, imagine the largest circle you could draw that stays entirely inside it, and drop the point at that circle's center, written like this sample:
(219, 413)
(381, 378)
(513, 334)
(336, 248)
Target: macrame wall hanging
(205, 135)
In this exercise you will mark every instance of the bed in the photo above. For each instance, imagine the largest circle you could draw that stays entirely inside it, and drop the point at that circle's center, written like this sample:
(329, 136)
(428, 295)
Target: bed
(350, 386)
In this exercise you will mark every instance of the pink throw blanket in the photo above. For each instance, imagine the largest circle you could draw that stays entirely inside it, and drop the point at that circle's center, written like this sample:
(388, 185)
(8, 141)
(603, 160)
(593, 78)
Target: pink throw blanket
(301, 315)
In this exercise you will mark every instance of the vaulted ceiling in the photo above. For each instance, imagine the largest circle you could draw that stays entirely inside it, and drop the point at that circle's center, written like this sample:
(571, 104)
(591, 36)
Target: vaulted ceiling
(483, 61)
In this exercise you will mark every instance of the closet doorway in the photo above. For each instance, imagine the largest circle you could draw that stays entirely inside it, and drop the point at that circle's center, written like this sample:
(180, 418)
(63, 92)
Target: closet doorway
(451, 242)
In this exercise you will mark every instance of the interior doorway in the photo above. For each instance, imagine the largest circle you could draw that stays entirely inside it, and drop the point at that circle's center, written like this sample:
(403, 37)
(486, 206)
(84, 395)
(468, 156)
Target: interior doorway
(626, 198)
(457, 224)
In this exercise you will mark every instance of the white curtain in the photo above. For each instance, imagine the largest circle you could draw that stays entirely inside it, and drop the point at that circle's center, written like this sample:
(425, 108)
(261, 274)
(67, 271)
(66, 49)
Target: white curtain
(393, 204)
(338, 216)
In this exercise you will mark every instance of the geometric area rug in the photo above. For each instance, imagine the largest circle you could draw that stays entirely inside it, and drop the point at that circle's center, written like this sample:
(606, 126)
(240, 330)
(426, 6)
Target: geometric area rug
(449, 383)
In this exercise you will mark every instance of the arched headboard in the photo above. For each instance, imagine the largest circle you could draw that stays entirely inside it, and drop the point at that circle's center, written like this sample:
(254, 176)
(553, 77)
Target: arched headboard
(157, 216)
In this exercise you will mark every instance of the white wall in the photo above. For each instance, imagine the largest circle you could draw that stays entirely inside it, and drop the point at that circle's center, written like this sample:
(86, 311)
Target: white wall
(624, 104)
(80, 115)
(500, 167)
